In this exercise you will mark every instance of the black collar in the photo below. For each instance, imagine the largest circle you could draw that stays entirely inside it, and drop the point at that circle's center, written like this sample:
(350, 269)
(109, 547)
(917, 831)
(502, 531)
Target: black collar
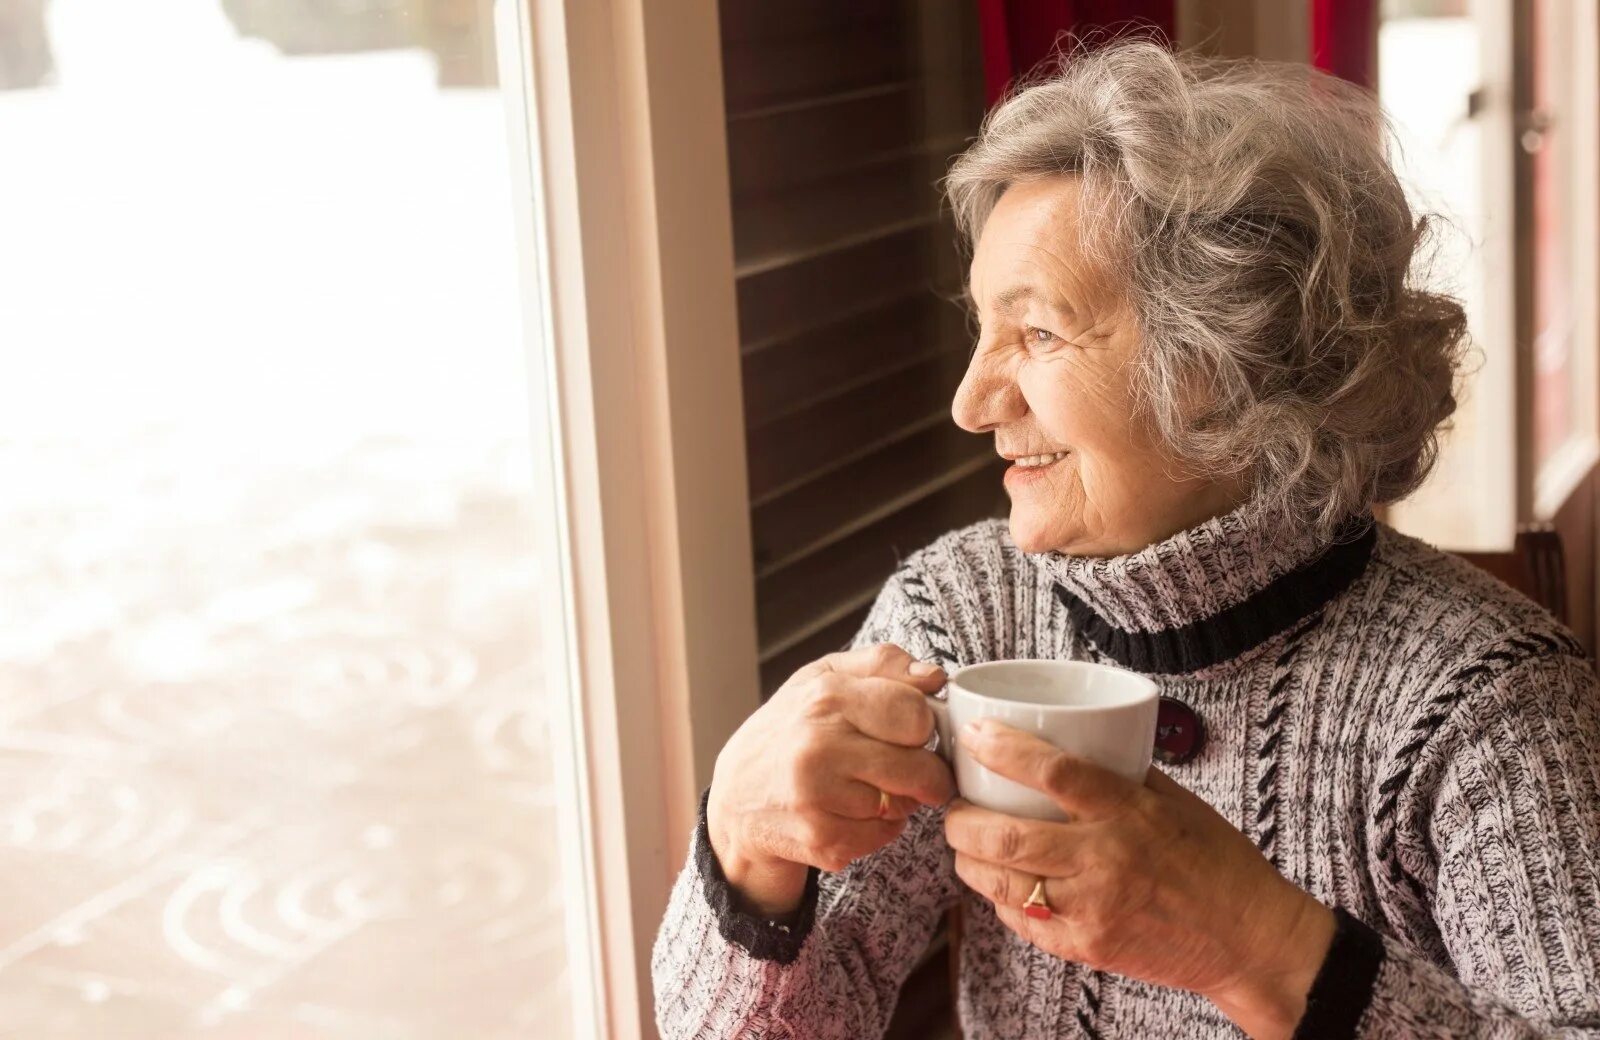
(1225, 635)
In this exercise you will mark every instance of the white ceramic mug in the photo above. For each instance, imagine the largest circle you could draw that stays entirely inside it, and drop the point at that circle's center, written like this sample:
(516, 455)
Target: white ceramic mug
(1094, 711)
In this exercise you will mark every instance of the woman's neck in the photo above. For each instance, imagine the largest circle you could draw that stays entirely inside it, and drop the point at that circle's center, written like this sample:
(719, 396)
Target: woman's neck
(1229, 582)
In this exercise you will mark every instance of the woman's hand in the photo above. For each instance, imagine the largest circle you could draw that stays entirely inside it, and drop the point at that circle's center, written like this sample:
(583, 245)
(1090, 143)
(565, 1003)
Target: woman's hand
(1145, 881)
(798, 784)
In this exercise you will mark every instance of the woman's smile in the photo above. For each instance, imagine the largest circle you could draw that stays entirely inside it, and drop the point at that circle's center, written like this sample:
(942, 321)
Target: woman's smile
(1030, 468)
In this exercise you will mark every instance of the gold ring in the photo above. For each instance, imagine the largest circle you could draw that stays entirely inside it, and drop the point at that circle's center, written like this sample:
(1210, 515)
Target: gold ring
(1036, 905)
(883, 803)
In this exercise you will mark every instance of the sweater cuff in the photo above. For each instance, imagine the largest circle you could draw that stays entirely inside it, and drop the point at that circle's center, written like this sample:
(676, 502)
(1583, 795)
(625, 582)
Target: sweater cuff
(776, 938)
(1343, 987)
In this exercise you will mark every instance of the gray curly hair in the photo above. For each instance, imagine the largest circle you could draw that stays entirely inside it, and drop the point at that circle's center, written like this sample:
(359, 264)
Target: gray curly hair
(1250, 213)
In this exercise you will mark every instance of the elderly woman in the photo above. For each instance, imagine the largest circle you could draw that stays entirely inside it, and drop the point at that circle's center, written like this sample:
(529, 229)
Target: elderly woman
(1200, 349)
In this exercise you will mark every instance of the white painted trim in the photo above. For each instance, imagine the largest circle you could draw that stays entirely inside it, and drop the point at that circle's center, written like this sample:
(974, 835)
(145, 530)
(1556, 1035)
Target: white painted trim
(658, 594)
(1493, 495)
(564, 715)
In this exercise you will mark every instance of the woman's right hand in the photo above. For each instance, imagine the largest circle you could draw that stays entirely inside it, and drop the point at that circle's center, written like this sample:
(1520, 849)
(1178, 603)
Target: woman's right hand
(797, 785)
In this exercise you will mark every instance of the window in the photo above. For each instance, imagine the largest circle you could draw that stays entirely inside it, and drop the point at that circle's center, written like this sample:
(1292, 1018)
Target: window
(1443, 80)
(1495, 106)
(285, 747)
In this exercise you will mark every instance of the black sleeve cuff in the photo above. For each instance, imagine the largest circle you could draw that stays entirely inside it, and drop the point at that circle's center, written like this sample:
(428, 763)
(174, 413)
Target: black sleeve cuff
(1343, 987)
(764, 938)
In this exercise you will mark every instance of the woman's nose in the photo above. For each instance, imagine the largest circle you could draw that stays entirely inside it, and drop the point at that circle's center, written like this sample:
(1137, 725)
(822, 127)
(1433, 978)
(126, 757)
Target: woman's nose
(985, 399)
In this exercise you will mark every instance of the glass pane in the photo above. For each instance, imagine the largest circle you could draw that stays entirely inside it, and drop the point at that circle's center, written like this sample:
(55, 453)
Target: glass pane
(1429, 55)
(274, 754)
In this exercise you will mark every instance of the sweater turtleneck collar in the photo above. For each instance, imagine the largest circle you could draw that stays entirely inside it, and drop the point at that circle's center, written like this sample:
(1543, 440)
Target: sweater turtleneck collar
(1210, 593)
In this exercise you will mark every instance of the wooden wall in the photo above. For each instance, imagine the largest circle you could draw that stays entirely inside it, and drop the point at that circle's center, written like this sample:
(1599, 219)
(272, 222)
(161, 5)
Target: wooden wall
(841, 118)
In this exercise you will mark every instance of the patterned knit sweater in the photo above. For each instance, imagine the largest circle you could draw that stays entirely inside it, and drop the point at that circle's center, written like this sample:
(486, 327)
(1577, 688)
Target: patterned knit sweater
(1408, 740)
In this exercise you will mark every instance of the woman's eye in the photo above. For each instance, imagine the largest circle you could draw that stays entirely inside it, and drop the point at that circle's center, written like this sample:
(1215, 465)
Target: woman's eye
(1035, 335)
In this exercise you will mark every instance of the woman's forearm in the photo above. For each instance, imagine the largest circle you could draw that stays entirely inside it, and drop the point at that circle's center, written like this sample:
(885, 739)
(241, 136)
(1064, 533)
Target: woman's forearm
(721, 971)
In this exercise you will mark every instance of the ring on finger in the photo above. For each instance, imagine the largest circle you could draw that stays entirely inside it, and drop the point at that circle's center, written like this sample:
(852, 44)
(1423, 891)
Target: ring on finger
(1036, 905)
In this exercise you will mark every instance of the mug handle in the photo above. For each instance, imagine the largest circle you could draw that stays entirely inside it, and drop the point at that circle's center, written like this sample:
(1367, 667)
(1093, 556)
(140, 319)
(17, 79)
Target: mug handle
(941, 743)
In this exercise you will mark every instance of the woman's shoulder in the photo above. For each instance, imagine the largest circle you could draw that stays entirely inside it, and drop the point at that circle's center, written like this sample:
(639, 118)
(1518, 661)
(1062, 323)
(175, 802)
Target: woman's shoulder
(979, 563)
(962, 580)
(1478, 705)
(1445, 634)
(955, 553)
(1430, 591)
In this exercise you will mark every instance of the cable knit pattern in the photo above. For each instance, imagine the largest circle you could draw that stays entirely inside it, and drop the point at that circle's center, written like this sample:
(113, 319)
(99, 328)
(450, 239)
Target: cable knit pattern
(1421, 752)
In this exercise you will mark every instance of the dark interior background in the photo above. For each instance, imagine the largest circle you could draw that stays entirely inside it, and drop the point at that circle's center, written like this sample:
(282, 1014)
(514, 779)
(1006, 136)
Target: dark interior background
(841, 119)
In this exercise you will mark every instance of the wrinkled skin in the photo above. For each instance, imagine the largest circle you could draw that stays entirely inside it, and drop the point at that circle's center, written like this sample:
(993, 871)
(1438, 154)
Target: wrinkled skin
(1052, 371)
(797, 785)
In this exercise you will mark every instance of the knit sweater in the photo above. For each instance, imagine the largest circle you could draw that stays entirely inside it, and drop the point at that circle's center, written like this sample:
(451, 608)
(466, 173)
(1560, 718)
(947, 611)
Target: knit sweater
(1411, 742)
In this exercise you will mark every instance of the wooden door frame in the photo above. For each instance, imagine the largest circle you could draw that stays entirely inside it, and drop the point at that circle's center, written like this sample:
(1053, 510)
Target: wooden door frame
(1562, 492)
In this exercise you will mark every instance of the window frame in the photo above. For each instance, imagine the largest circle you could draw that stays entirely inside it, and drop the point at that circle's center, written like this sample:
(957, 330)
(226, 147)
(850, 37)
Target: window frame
(1571, 36)
(617, 110)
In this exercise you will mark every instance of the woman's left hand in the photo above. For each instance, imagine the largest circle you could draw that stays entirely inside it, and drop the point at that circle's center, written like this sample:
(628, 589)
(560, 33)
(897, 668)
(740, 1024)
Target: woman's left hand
(1146, 881)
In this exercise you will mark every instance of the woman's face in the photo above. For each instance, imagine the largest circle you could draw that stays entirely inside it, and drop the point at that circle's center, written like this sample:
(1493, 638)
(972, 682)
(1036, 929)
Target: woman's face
(1051, 373)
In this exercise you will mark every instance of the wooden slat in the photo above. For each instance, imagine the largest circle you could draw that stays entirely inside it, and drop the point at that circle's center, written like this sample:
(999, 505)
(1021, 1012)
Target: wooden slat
(884, 505)
(834, 214)
(787, 300)
(822, 616)
(796, 143)
(827, 248)
(820, 324)
(929, 154)
(753, 21)
(835, 636)
(851, 497)
(808, 369)
(804, 446)
(926, 998)
(790, 601)
(817, 102)
(778, 69)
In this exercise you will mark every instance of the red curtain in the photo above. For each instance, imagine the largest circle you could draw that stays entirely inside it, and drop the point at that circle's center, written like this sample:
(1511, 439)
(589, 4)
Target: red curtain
(1344, 39)
(1019, 34)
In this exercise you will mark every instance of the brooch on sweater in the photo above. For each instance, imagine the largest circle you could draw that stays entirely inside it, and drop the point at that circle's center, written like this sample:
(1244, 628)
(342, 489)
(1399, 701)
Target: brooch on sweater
(1179, 732)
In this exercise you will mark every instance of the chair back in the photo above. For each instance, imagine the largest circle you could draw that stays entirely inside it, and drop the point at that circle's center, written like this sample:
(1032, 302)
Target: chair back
(1536, 566)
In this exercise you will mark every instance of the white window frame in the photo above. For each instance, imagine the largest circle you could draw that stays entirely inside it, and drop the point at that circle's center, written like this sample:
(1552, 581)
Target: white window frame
(618, 112)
